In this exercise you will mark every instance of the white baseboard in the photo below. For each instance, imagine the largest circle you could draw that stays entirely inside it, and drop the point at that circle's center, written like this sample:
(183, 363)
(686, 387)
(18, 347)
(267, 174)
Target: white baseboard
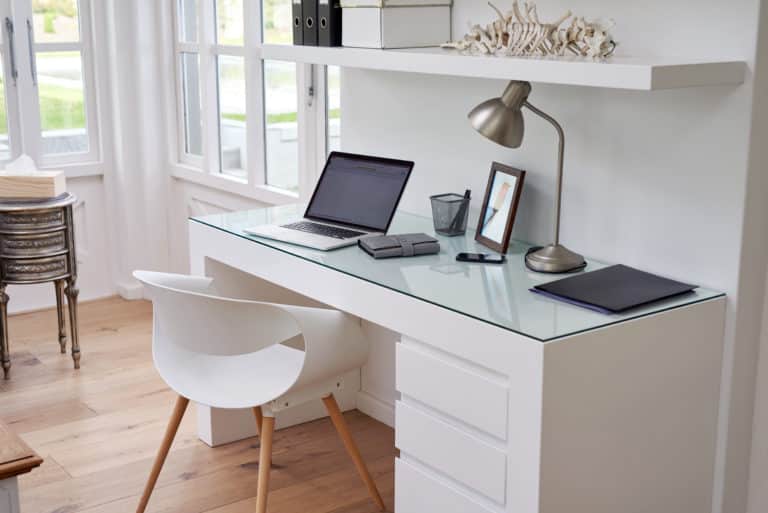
(50, 303)
(130, 290)
(376, 408)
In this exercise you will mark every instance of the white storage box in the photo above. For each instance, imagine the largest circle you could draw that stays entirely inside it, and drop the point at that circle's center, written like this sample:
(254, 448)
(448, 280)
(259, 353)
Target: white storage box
(395, 23)
(394, 3)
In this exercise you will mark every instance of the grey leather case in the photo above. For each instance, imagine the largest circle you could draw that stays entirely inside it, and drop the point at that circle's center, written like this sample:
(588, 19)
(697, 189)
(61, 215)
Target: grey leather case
(405, 245)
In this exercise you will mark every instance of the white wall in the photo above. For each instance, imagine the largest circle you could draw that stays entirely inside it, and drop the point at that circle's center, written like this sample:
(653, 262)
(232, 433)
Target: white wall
(656, 180)
(753, 256)
(186, 200)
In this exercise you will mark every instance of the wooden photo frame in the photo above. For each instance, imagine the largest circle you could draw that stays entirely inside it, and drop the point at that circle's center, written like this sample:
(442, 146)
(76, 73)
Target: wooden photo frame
(497, 216)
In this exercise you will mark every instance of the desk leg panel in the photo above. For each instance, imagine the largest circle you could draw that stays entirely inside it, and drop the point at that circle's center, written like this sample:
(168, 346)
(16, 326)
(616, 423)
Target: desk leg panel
(630, 415)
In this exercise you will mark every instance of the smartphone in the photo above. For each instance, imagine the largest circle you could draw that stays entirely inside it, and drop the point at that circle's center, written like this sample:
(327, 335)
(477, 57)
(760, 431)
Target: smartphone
(481, 258)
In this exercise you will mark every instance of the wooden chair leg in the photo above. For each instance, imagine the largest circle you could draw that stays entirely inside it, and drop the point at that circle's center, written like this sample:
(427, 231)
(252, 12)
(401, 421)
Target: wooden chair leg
(162, 453)
(259, 418)
(341, 427)
(265, 463)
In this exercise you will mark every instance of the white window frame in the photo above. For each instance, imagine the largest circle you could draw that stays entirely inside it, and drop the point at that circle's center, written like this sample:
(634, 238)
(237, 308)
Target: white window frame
(310, 116)
(11, 86)
(23, 101)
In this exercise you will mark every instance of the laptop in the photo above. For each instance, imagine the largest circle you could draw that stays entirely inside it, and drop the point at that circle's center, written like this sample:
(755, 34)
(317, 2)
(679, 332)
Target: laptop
(356, 197)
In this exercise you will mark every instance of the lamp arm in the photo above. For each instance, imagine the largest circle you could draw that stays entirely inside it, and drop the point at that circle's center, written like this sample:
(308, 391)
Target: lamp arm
(560, 153)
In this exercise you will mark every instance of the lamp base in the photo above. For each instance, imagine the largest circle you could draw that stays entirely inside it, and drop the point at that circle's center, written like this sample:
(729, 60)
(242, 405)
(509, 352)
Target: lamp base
(554, 259)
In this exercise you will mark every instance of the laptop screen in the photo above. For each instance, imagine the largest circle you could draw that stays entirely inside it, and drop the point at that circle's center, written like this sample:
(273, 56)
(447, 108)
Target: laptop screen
(359, 190)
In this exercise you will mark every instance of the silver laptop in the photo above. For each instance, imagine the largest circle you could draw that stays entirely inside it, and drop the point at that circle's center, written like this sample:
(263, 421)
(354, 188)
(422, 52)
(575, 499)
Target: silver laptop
(356, 196)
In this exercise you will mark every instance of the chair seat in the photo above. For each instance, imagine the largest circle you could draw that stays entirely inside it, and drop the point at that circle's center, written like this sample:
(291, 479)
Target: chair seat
(240, 381)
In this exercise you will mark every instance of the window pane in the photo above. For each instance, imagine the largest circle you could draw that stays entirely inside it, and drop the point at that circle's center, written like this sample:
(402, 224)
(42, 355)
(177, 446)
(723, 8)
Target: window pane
(5, 146)
(232, 125)
(62, 104)
(229, 22)
(281, 126)
(55, 21)
(278, 19)
(188, 21)
(333, 103)
(192, 110)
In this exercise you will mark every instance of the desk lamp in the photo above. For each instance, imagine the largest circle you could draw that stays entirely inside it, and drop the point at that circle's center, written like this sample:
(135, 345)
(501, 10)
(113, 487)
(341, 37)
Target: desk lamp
(501, 121)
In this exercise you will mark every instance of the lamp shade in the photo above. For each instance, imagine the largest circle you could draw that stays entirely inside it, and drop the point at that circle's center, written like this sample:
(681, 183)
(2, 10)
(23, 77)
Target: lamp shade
(500, 119)
(499, 123)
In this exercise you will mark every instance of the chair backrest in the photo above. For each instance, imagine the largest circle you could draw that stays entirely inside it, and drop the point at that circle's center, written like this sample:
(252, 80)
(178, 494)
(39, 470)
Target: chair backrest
(189, 313)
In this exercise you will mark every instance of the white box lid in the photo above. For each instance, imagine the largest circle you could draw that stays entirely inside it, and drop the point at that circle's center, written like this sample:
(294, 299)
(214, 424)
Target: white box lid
(394, 3)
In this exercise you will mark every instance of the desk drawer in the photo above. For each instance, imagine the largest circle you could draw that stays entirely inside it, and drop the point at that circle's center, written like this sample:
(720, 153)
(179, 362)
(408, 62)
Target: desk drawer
(32, 220)
(41, 244)
(418, 492)
(453, 452)
(449, 388)
(32, 270)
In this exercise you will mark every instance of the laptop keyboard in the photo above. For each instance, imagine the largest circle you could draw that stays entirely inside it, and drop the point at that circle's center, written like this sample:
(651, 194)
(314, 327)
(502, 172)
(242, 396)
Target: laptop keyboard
(323, 229)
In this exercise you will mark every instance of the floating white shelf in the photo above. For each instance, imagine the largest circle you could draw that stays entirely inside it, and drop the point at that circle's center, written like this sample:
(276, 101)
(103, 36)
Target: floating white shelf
(616, 73)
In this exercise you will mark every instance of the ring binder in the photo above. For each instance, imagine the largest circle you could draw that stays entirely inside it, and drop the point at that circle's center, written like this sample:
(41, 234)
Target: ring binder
(309, 11)
(329, 30)
(298, 23)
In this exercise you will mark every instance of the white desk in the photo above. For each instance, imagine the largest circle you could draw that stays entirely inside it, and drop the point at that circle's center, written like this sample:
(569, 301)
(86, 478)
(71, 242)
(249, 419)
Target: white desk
(510, 402)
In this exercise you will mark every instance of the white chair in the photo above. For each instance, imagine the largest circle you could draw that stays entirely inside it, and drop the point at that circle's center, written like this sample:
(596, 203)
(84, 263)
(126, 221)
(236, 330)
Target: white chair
(233, 353)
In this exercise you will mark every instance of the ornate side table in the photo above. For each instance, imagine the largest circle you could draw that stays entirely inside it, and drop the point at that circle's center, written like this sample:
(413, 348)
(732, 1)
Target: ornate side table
(37, 245)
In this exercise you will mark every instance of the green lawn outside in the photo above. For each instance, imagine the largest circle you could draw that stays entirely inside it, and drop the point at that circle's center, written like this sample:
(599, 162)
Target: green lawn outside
(280, 117)
(61, 108)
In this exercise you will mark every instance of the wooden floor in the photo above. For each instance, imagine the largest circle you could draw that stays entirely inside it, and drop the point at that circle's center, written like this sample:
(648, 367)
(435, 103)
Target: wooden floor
(98, 430)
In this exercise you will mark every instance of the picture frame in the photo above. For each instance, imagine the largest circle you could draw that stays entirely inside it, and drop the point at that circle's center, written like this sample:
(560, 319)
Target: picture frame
(497, 215)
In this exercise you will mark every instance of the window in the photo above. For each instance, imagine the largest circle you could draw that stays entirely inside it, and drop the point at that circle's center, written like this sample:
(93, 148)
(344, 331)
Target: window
(281, 124)
(52, 82)
(281, 127)
(191, 109)
(240, 117)
(232, 119)
(5, 143)
(63, 124)
(333, 108)
(230, 87)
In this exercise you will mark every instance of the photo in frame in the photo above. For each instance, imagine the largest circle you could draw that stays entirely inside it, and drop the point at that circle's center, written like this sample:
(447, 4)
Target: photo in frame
(497, 215)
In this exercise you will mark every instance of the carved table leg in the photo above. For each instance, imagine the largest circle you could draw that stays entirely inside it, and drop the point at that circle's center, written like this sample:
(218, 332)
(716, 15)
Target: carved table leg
(59, 286)
(5, 353)
(72, 291)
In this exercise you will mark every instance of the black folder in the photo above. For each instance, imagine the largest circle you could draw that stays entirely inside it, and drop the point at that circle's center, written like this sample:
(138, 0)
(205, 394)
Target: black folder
(613, 289)
(298, 23)
(309, 12)
(329, 24)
